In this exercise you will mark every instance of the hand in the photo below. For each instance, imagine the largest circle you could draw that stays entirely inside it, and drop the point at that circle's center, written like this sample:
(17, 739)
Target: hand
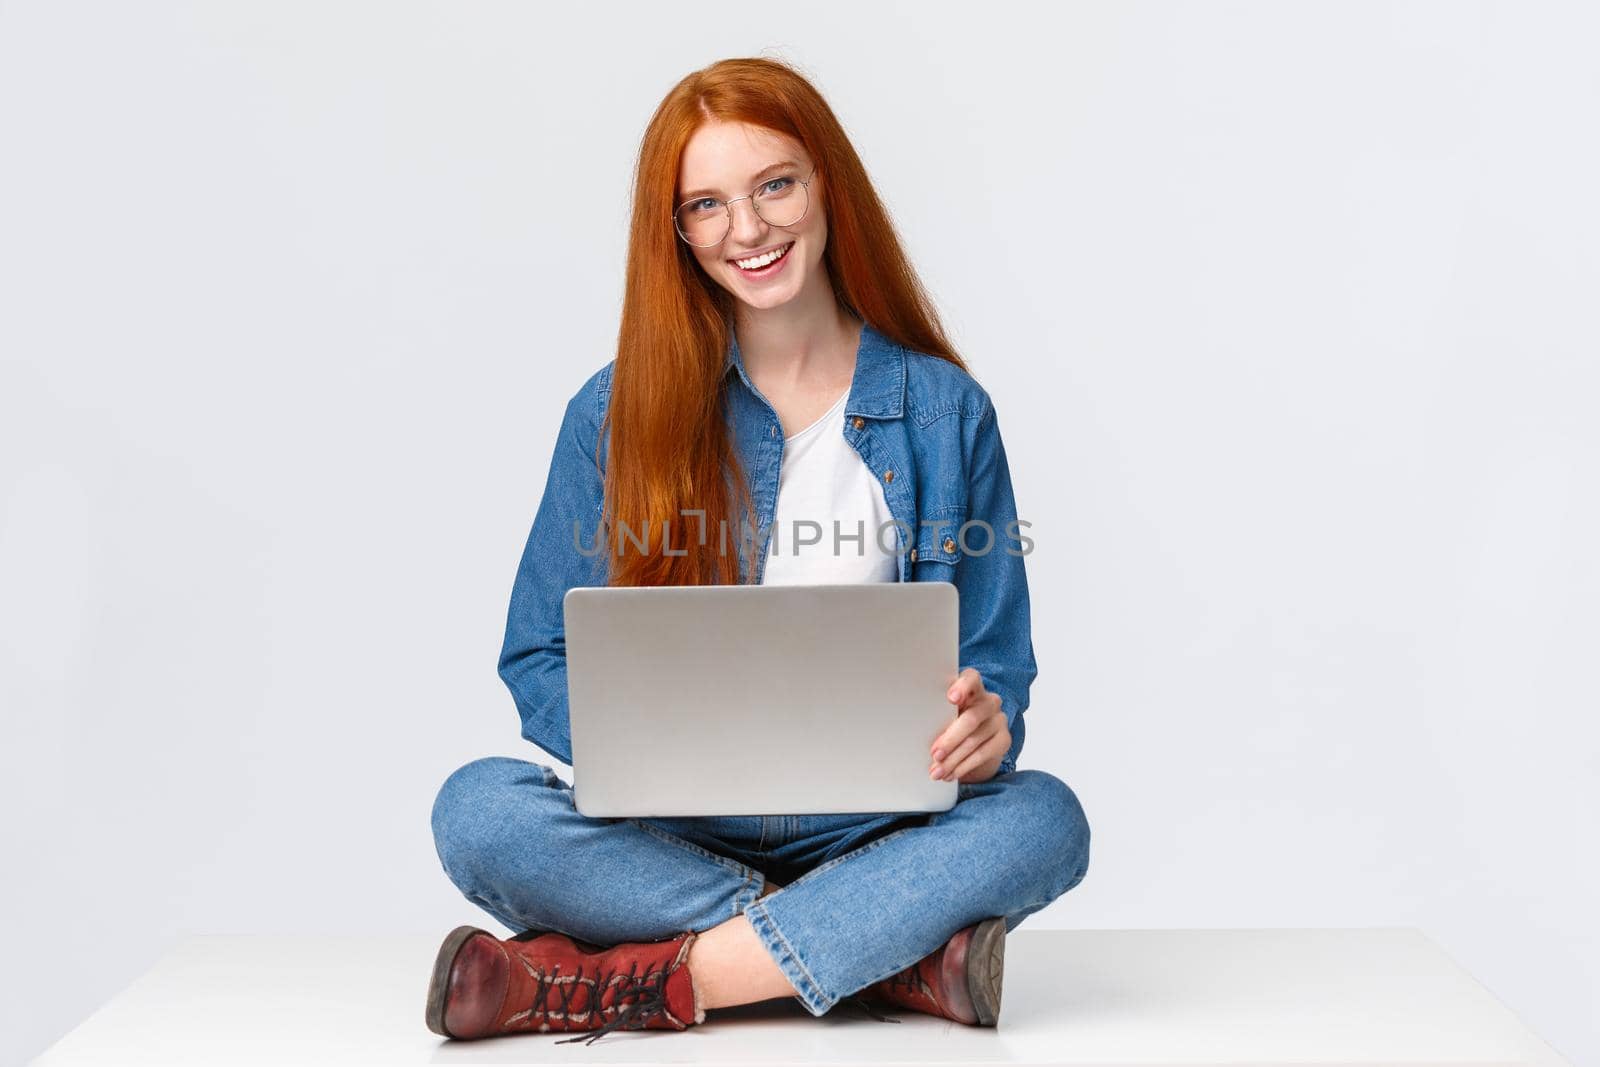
(971, 748)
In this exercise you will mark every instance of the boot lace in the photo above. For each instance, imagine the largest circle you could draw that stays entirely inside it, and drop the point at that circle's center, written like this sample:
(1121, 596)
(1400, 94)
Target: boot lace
(907, 979)
(640, 997)
(866, 1006)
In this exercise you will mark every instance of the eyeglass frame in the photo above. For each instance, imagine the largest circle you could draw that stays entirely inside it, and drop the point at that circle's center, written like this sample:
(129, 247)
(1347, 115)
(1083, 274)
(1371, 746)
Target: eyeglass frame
(727, 207)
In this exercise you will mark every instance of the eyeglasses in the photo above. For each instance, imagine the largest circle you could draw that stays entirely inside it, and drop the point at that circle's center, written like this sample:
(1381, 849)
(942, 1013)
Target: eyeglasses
(781, 201)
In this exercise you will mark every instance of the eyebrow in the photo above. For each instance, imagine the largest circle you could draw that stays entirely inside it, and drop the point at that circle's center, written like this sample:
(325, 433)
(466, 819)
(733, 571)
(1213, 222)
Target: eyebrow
(755, 180)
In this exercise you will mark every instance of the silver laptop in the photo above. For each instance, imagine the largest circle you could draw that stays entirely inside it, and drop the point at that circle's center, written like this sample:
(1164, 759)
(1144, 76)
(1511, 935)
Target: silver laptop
(759, 700)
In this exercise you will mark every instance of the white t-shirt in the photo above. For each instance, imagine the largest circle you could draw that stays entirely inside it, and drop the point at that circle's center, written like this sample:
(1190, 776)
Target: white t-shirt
(826, 488)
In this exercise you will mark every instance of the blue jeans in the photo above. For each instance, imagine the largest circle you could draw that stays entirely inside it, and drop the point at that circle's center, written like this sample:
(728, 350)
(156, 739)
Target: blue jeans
(863, 895)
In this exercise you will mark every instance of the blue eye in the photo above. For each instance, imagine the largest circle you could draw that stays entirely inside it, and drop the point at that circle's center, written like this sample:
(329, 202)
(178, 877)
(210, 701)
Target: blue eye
(767, 185)
(704, 204)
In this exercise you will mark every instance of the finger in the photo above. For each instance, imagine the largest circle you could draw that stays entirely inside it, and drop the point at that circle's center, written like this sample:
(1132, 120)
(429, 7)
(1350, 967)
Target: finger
(967, 684)
(955, 733)
(959, 753)
(971, 707)
(962, 750)
(975, 761)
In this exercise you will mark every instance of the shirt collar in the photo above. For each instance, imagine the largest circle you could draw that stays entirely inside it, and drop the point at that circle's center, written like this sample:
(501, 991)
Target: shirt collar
(878, 387)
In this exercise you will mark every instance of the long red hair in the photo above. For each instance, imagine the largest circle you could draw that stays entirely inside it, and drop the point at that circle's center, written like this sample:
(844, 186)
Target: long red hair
(670, 448)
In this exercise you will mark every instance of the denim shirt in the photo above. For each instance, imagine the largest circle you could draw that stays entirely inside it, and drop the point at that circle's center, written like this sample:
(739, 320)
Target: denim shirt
(922, 425)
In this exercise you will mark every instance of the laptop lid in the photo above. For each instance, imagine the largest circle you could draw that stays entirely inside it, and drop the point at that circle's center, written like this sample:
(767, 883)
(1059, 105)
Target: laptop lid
(759, 700)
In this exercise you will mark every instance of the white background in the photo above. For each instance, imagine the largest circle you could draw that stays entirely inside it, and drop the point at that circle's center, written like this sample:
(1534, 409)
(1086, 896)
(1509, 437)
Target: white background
(1288, 312)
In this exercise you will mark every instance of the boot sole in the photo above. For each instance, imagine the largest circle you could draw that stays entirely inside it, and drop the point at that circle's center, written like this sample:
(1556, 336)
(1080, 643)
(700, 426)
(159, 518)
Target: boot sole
(439, 984)
(986, 957)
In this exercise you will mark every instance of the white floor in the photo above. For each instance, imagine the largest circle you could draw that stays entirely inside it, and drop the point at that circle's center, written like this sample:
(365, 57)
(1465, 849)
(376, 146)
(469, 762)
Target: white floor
(1329, 997)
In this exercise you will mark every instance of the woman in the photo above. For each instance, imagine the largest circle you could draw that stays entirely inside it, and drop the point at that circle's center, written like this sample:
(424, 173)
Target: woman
(778, 359)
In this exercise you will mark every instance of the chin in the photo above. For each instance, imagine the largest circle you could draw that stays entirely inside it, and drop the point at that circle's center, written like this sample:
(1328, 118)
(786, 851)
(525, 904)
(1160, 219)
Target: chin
(772, 296)
(767, 298)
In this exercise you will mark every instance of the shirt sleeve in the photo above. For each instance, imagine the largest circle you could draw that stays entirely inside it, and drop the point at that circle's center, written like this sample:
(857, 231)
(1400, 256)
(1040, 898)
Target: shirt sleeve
(533, 659)
(996, 629)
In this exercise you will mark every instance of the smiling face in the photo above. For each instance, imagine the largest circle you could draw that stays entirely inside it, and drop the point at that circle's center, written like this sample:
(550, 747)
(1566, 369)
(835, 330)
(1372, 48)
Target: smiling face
(725, 160)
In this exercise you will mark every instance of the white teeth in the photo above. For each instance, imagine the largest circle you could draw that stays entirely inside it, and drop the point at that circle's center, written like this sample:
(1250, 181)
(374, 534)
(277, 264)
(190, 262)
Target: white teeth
(762, 261)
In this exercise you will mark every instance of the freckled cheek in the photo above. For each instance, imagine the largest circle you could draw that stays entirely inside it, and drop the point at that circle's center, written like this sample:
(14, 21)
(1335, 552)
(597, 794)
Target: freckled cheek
(710, 264)
(816, 235)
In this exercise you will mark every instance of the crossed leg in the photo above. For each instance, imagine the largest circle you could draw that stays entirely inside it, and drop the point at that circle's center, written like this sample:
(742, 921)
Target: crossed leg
(731, 966)
(1010, 846)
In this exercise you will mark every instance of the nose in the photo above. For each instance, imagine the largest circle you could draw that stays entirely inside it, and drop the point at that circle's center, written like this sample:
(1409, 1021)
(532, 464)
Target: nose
(747, 227)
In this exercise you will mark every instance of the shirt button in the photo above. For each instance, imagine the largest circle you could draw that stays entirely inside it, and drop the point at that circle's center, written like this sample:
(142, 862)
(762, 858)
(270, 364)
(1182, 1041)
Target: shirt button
(949, 544)
(858, 422)
(772, 431)
(913, 554)
(888, 476)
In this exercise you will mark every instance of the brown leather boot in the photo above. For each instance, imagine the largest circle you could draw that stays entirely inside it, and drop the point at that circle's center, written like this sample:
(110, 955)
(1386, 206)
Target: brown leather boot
(960, 980)
(484, 986)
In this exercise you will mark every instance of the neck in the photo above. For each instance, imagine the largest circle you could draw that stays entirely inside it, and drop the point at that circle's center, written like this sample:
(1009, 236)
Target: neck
(808, 336)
